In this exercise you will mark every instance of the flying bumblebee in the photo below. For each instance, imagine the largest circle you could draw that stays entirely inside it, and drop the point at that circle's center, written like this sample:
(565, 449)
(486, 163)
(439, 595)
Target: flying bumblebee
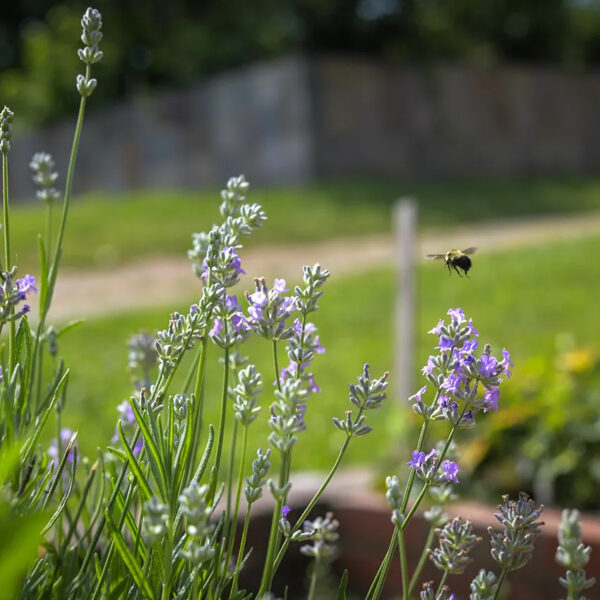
(456, 259)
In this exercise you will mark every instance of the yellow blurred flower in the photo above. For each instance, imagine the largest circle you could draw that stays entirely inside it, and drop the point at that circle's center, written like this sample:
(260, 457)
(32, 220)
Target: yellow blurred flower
(579, 360)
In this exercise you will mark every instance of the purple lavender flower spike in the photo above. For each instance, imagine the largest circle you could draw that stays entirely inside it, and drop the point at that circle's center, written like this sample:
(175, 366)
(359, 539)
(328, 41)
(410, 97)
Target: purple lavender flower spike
(258, 298)
(428, 368)
(26, 284)
(472, 328)
(231, 303)
(236, 262)
(239, 322)
(450, 470)
(437, 330)
(418, 458)
(452, 383)
(446, 343)
(488, 366)
(285, 511)
(506, 362)
(217, 327)
(491, 399)
(457, 315)
(418, 397)
(279, 286)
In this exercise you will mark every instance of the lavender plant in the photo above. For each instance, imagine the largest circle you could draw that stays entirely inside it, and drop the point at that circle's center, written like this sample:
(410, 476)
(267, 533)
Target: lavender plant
(156, 514)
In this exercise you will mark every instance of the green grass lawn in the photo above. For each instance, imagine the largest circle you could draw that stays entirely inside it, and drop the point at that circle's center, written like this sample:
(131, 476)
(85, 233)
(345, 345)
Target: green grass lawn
(105, 229)
(521, 300)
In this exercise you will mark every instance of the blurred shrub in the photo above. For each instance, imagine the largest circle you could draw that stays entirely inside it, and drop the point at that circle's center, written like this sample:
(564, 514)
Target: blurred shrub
(546, 438)
(176, 43)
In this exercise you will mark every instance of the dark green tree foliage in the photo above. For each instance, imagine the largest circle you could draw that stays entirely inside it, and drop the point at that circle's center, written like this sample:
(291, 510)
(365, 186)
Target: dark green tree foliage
(177, 42)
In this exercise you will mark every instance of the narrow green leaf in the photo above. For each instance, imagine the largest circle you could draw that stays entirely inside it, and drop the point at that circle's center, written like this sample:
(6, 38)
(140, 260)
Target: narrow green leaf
(134, 465)
(61, 467)
(152, 450)
(43, 272)
(342, 594)
(65, 497)
(206, 455)
(33, 438)
(70, 325)
(132, 565)
(183, 453)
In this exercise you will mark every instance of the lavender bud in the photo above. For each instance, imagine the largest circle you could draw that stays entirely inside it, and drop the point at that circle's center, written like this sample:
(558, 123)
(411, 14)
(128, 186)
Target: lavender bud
(91, 37)
(323, 535)
(245, 393)
(483, 587)
(573, 554)
(428, 592)
(512, 548)
(85, 87)
(436, 516)
(233, 196)
(6, 119)
(196, 510)
(260, 468)
(197, 553)
(368, 394)
(52, 340)
(393, 492)
(155, 519)
(314, 278)
(279, 493)
(45, 176)
(456, 539)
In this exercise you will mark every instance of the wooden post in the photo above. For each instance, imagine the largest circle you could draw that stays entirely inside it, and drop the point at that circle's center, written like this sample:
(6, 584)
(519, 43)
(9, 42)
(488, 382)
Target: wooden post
(405, 245)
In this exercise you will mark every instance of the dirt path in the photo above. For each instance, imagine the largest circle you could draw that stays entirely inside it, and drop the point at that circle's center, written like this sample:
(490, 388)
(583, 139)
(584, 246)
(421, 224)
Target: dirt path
(163, 281)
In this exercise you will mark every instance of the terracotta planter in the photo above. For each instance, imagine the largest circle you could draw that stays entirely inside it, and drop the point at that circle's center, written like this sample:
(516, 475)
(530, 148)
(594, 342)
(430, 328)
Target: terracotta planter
(365, 531)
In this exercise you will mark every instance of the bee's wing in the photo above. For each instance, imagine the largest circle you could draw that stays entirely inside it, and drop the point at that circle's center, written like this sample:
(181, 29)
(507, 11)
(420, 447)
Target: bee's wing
(470, 250)
(435, 256)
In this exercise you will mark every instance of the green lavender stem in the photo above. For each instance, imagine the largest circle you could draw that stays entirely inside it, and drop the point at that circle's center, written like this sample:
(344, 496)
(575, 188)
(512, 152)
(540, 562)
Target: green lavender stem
(276, 363)
(499, 584)
(403, 565)
(240, 483)
(46, 298)
(384, 566)
(313, 501)
(7, 254)
(6, 211)
(313, 580)
(222, 419)
(241, 549)
(422, 560)
(381, 574)
(268, 571)
(442, 582)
